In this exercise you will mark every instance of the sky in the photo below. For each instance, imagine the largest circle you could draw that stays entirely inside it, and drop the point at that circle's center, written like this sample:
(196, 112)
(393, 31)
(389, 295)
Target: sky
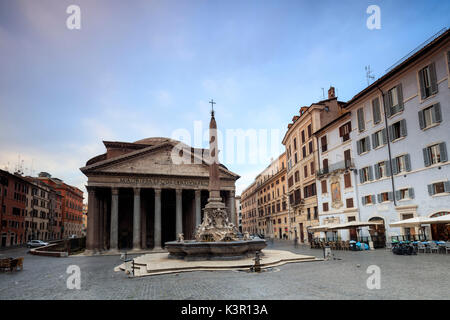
(137, 69)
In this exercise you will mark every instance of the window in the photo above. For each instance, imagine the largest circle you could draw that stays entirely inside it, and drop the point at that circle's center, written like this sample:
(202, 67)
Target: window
(310, 147)
(323, 143)
(435, 154)
(312, 168)
(370, 199)
(347, 180)
(325, 206)
(316, 213)
(365, 174)
(308, 210)
(376, 112)
(394, 100)
(325, 165)
(385, 196)
(397, 130)
(309, 131)
(382, 169)
(295, 144)
(305, 171)
(361, 122)
(349, 202)
(347, 158)
(379, 138)
(310, 190)
(430, 116)
(438, 187)
(323, 184)
(344, 131)
(427, 81)
(304, 151)
(401, 164)
(297, 176)
(295, 157)
(404, 194)
(363, 145)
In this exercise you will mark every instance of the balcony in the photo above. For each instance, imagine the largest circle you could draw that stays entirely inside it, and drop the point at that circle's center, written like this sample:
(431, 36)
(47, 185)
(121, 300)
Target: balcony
(341, 165)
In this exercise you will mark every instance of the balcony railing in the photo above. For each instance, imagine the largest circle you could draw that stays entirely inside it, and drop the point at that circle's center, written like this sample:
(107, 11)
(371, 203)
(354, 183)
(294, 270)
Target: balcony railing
(341, 165)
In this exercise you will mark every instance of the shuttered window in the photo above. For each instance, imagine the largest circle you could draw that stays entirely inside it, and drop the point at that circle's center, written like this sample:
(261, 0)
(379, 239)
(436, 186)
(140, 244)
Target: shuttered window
(430, 116)
(428, 81)
(376, 111)
(439, 187)
(393, 100)
(361, 122)
(323, 143)
(379, 138)
(325, 206)
(363, 145)
(397, 130)
(435, 154)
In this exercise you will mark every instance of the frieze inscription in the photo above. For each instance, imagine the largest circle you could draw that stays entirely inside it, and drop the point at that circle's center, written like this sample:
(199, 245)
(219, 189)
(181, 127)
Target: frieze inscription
(163, 182)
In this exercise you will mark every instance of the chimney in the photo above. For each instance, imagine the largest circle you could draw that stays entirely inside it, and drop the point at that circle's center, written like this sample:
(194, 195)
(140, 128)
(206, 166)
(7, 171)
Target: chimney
(331, 93)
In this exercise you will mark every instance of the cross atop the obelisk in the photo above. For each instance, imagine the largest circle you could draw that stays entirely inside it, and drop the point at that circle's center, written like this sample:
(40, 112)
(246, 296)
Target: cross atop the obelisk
(212, 107)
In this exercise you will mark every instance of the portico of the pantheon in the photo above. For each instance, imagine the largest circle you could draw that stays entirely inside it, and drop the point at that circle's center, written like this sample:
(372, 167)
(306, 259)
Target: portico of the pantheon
(139, 197)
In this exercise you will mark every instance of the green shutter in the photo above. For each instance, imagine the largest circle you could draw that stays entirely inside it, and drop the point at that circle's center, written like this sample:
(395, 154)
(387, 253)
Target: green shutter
(400, 97)
(408, 162)
(421, 119)
(403, 131)
(374, 140)
(443, 152)
(388, 168)
(377, 170)
(391, 133)
(447, 186)
(436, 114)
(395, 166)
(376, 110)
(390, 195)
(358, 146)
(423, 93)
(363, 200)
(383, 133)
(397, 195)
(367, 142)
(430, 189)
(434, 85)
(379, 199)
(361, 176)
(426, 157)
(387, 104)
(361, 124)
(370, 173)
(411, 193)
(373, 198)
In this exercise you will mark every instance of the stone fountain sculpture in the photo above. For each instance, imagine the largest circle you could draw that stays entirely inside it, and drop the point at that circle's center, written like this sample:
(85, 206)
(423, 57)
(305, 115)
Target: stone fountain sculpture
(216, 237)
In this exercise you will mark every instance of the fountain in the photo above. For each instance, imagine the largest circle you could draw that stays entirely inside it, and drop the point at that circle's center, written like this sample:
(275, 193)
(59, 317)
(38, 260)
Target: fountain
(216, 238)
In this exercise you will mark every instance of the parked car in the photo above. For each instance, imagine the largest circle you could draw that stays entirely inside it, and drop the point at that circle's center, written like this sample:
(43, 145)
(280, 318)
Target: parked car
(36, 243)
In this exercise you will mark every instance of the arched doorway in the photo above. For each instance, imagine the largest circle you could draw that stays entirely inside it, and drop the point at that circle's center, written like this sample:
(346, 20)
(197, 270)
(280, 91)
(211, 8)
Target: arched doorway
(378, 232)
(440, 231)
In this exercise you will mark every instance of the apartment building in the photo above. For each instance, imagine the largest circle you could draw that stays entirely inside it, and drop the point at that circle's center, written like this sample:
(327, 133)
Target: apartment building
(249, 209)
(302, 162)
(336, 176)
(401, 136)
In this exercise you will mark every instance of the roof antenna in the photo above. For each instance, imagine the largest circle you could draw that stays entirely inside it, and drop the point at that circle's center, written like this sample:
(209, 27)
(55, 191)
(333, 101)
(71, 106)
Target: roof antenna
(369, 75)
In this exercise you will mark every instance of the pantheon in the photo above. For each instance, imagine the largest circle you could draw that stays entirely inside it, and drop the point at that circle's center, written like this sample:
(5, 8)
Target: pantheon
(140, 198)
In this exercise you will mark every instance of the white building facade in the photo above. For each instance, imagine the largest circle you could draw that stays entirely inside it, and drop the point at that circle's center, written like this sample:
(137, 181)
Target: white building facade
(336, 181)
(400, 139)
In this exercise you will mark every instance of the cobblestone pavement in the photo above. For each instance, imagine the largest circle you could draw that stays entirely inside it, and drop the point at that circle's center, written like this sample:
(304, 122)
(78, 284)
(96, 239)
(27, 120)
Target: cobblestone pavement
(425, 276)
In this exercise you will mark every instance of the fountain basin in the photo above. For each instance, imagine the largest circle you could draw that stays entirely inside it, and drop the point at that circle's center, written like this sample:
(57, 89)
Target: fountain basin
(217, 250)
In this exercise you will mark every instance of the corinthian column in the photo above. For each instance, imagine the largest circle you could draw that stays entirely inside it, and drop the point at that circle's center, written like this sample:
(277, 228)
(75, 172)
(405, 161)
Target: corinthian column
(198, 209)
(114, 233)
(179, 212)
(157, 231)
(137, 219)
(92, 212)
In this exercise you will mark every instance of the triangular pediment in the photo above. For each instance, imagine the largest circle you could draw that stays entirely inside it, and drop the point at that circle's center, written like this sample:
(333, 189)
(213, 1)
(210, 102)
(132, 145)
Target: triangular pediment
(155, 160)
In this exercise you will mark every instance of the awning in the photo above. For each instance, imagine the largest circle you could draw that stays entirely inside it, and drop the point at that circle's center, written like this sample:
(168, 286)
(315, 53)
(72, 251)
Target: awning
(440, 219)
(321, 228)
(356, 224)
(408, 223)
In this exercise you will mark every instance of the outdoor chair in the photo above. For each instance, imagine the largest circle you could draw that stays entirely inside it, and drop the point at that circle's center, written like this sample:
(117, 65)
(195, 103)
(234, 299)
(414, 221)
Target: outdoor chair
(447, 247)
(421, 246)
(434, 247)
